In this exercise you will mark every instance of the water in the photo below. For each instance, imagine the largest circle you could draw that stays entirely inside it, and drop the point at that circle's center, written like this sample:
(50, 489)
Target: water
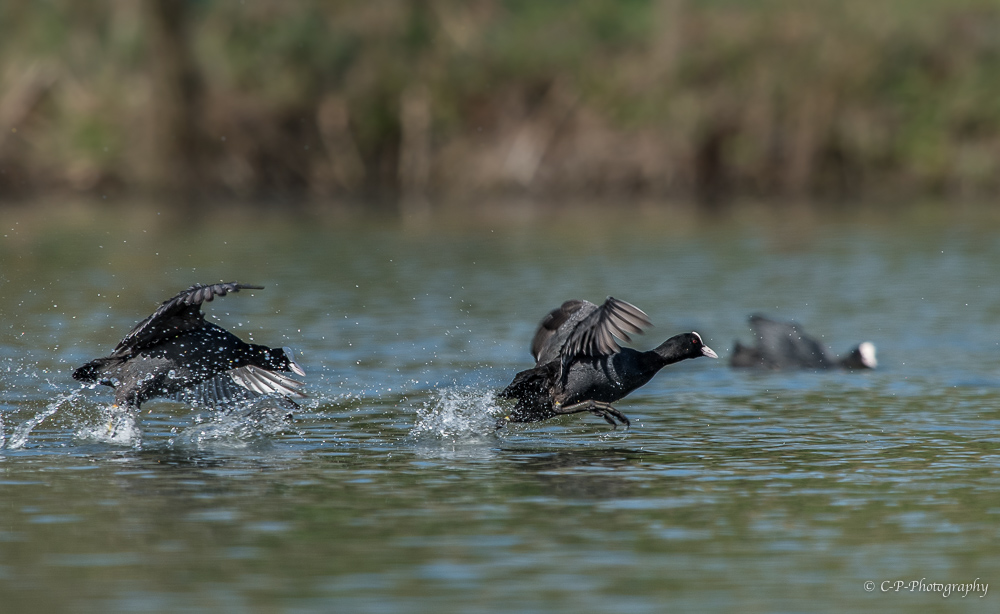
(390, 490)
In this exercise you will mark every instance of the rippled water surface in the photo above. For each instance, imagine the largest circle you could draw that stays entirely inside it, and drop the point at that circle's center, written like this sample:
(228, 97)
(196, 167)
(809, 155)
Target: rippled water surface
(390, 491)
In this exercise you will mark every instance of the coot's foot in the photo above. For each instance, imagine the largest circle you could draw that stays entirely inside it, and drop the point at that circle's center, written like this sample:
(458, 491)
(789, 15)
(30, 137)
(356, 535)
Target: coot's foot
(598, 408)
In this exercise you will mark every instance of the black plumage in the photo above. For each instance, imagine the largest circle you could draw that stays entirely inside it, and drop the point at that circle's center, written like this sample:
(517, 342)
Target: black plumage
(579, 366)
(784, 345)
(176, 352)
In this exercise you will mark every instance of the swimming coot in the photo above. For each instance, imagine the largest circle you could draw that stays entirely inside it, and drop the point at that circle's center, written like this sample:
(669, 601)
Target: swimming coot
(175, 352)
(580, 367)
(783, 345)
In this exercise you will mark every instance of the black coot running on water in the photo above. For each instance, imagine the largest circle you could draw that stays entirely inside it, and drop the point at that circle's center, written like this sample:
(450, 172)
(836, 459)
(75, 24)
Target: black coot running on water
(175, 352)
(783, 345)
(580, 367)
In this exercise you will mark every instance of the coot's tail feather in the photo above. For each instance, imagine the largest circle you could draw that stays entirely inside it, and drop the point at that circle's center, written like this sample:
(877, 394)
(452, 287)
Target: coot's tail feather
(531, 383)
(91, 372)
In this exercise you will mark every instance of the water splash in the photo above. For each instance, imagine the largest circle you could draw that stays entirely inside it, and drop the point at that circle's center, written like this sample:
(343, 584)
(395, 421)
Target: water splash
(19, 437)
(240, 426)
(458, 413)
(115, 425)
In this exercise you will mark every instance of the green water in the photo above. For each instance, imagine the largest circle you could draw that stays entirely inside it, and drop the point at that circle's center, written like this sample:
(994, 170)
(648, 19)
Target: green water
(390, 490)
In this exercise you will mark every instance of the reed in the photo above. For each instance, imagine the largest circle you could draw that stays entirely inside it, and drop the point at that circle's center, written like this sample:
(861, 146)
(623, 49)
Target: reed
(406, 101)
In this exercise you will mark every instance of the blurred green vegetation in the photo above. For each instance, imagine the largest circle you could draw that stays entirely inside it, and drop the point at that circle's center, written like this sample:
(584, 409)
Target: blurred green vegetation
(427, 99)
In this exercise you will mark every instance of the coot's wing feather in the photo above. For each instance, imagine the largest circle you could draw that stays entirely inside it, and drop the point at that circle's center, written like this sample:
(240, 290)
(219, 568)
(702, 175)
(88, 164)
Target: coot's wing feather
(240, 384)
(174, 316)
(217, 391)
(551, 323)
(595, 334)
(262, 381)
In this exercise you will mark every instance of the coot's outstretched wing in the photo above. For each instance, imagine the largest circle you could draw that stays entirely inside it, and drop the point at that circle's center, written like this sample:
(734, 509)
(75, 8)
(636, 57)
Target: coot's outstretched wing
(595, 334)
(241, 384)
(263, 381)
(176, 315)
(550, 325)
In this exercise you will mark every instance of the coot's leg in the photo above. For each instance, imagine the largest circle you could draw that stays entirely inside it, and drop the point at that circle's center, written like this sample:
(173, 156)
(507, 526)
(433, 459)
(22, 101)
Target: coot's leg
(598, 408)
(574, 408)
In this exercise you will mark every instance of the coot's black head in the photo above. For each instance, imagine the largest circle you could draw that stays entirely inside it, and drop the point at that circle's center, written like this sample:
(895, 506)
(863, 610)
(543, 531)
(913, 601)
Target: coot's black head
(696, 347)
(861, 357)
(684, 346)
(279, 359)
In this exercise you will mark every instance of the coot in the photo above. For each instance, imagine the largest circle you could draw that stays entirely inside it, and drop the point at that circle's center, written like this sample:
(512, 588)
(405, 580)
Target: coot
(580, 367)
(784, 345)
(175, 352)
